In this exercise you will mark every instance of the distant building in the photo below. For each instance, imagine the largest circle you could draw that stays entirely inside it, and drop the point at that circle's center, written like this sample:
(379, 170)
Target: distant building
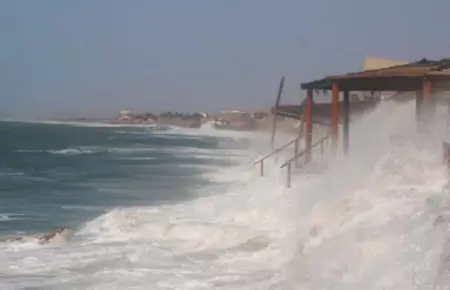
(373, 63)
(125, 115)
(204, 115)
(229, 112)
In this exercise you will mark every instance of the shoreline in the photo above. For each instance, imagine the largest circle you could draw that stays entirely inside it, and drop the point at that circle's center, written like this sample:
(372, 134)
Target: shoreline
(285, 126)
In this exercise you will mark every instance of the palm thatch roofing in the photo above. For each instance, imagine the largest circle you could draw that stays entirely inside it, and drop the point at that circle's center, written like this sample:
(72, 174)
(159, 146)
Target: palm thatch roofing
(406, 77)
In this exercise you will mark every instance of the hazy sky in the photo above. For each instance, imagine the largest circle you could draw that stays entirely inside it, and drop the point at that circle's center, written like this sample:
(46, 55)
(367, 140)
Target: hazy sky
(89, 57)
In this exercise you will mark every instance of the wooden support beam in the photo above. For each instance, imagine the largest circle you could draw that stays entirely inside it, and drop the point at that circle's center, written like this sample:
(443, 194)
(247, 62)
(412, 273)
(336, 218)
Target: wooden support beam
(428, 103)
(419, 105)
(334, 116)
(426, 90)
(288, 175)
(446, 147)
(420, 111)
(448, 113)
(277, 103)
(308, 124)
(346, 127)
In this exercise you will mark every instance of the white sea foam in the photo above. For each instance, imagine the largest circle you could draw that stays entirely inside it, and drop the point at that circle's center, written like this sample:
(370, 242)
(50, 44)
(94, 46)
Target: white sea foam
(190, 152)
(88, 124)
(8, 217)
(375, 220)
(71, 151)
(140, 158)
(8, 173)
(65, 151)
(370, 221)
(208, 242)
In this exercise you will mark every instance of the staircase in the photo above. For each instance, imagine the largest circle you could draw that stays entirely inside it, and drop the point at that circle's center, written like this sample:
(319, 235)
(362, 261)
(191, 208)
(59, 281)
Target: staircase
(296, 159)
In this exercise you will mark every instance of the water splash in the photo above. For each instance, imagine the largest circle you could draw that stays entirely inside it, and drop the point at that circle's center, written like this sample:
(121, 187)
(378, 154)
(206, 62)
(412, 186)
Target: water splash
(372, 221)
(375, 220)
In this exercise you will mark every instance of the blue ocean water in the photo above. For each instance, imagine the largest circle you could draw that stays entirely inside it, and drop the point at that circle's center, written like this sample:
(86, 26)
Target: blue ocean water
(57, 175)
(146, 208)
(168, 208)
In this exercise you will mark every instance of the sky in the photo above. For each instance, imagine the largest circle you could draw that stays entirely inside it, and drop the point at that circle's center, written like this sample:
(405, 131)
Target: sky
(95, 57)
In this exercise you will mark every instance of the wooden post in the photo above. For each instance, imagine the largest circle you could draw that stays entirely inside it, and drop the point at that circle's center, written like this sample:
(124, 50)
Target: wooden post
(288, 178)
(446, 147)
(419, 104)
(346, 127)
(277, 103)
(309, 125)
(426, 90)
(429, 106)
(334, 116)
(448, 113)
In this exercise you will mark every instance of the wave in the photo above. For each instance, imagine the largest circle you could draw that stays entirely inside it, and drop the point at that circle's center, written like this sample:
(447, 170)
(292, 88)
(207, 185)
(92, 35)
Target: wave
(71, 151)
(84, 124)
(139, 158)
(201, 236)
(84, 207)
(90, 150)
(8, 173)
(67, 151)
(8, 217)
(29, 151)
(376, 219)
(369, 222)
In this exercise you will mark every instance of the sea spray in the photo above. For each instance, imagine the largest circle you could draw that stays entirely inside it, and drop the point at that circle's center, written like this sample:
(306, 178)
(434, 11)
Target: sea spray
(369, 222)
(376, 219)
(228, 228)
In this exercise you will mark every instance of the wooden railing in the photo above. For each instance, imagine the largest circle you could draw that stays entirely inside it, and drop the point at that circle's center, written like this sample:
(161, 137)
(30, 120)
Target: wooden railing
(261, 161)
(288, 163)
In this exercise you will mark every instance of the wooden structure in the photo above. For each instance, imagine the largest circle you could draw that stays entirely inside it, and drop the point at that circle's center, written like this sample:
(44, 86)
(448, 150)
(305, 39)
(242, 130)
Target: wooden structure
(300, 113)
(322, 111)
(424, 77)
(446, 147)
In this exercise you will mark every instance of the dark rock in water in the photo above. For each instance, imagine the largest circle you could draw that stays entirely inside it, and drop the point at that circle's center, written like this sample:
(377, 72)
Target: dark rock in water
(254, 244)
(57, 235)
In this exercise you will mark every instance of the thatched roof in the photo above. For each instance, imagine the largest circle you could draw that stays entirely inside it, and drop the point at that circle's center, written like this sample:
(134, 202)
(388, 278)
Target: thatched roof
(405, 77)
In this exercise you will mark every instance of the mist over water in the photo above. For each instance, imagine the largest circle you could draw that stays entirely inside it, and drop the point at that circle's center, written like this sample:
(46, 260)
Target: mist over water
(378, 219)
(165, 208)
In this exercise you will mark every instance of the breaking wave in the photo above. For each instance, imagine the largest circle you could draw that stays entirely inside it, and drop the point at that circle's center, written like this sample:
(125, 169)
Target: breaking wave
(377, 219)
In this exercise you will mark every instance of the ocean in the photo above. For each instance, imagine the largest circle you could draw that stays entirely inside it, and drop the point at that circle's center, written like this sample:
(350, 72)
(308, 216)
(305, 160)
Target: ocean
(149, 208)
(170, 208)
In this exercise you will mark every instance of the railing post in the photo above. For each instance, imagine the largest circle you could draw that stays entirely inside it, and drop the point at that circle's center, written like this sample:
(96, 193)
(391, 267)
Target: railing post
(288, 179)
(296, 152)
(262, 168)
(321, 147)
(334, 117)
(309, 124)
